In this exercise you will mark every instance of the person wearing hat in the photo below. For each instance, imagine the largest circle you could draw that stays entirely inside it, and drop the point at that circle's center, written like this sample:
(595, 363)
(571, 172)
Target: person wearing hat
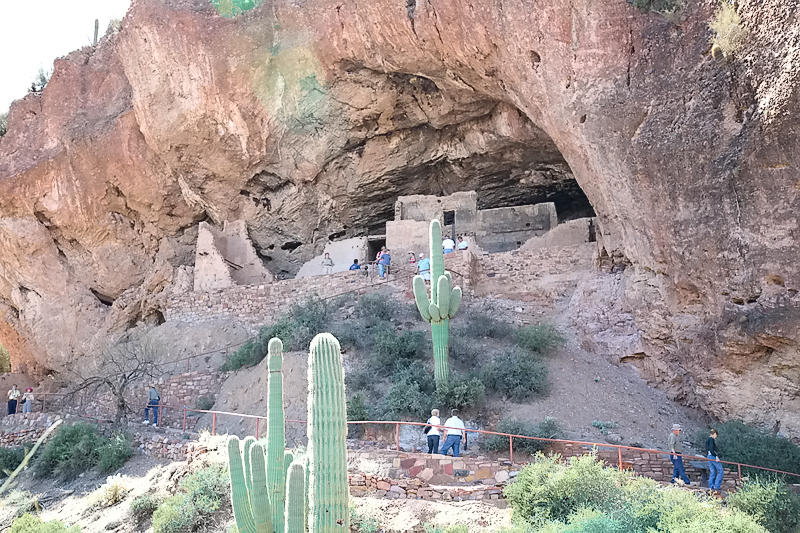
(424, 266)
(27, 400)
(675, 448)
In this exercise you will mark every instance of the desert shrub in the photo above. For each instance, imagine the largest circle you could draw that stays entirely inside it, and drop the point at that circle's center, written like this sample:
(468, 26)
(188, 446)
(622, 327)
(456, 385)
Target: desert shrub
(729, 35)
(71, 451)
(516, 374)
(29, 523)
(770, 502)
(3, 131)
(547, 429)
(552, 490)
(5, 357)
(452, 528)
(375, 308)
(308, 319)
(460, 393)
(356, 410)
(603, 425)
(202, 493)
(464, 350)
(540, 338)
(110, 493)
(741, 443)
(114, 452)
(391, 348)
(205, 403)
(480, 325)
(409, 395)
(593, 521)
(659, 6)
(143, 507)
(363, 524)
(350, 334)
(10, 458)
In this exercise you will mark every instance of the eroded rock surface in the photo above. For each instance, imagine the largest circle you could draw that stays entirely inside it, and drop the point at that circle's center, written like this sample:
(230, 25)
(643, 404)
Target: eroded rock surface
(306, 119)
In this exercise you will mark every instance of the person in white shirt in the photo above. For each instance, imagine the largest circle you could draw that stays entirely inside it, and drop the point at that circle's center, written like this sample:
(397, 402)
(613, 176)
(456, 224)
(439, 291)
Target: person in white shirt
(13, 394)
(448, 245)
(453, 433)
(433, 432)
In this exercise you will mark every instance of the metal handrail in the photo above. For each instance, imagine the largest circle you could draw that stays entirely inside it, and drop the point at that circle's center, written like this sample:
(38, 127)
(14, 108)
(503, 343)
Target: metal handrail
(511, 437)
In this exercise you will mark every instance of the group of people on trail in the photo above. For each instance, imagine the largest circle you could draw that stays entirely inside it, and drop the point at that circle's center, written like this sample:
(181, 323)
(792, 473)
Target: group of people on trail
(383, 260)
(14, 400)
(715, 469)
(452, 431)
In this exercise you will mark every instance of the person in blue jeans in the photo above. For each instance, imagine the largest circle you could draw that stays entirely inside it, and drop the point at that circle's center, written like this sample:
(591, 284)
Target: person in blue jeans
(453, 434)
(152, 405)
(383, 264)
(714, 466)
(676, 449)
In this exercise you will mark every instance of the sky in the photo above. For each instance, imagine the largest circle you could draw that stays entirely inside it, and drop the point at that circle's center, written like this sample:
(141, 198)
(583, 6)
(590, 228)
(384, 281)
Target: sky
(34, 33)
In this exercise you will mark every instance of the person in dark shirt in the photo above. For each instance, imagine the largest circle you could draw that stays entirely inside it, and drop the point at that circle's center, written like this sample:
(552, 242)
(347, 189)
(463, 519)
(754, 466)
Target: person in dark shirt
(714, 466)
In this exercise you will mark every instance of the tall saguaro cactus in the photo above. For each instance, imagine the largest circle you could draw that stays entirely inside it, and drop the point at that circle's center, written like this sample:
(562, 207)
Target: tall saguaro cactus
(276, 433)
(442, 305)
(327, 433)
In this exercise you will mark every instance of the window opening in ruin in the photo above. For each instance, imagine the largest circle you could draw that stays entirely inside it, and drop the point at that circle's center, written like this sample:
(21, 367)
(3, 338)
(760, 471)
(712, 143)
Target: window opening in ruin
(449, 218)
(592, 232)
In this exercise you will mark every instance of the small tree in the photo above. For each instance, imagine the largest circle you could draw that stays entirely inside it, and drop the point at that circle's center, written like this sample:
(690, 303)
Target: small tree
(40, 81)
(3, 124)
(120, 367)
(5, 359)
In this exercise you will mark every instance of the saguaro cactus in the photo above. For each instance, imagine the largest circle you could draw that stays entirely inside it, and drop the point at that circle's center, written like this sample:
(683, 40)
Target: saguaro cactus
(296, 498)
(327, 433)
(441, 307)
(276, 433)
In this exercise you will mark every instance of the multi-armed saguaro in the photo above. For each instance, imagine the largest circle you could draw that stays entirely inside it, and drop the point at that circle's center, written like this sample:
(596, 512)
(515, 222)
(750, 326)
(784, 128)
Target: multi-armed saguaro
(274, 491)
(442, 305)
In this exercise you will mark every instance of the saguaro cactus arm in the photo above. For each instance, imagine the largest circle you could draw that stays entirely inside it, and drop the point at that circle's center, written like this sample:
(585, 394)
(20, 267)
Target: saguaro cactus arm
(276, 433)
(239, 494)
(296, 499)
(259, 495)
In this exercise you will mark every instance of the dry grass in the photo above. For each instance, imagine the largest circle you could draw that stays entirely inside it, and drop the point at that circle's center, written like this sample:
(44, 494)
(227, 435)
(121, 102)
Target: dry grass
(729, 36)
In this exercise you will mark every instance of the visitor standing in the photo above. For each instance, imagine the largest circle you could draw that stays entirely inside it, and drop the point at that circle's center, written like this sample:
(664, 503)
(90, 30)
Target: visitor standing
(715, 471)
(383, 264)
(327, 263)
(355, 265)
(448, 245)
(152, 405)
(424, 266)
(462, 243)
(453, 433)
(13, 394)
(676, 447)
(27, 400)
(412, 258)
(433, 432)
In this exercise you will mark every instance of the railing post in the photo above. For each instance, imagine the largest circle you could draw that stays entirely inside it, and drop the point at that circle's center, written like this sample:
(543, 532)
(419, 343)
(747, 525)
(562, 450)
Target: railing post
(739, 466)
(257, 421)
(511, 448)
(397, 435)
(214, 423)
(619, 453)
(184, 419)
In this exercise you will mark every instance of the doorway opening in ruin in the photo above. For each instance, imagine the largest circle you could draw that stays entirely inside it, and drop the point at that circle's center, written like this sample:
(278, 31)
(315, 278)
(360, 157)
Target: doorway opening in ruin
(374, 245)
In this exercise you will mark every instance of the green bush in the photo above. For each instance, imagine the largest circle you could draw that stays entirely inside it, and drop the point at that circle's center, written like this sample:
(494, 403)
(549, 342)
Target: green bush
(770, 502)
(409, 395)
(603, 425)
(741, 443)
(546, 429)
(10, 458)
(585, 495)
(516, 374)
(205, 403)
(664, 7)
(541, 338)
(29, 523)
(551, 490)
(114, 452)
(356, 410)
(465, 351)
(460, 393)
(202, 493)
(143, 507)
(307, 319)
(363, 524)
(375, 308)
(391, 348)
(481, 325)
(72, 450)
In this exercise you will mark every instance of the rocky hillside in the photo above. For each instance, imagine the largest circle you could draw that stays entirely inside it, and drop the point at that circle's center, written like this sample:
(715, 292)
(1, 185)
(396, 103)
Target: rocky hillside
(306, 119)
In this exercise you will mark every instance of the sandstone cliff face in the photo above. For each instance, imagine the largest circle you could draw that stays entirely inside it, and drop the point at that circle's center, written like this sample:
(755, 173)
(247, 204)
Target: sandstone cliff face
(307, 119)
